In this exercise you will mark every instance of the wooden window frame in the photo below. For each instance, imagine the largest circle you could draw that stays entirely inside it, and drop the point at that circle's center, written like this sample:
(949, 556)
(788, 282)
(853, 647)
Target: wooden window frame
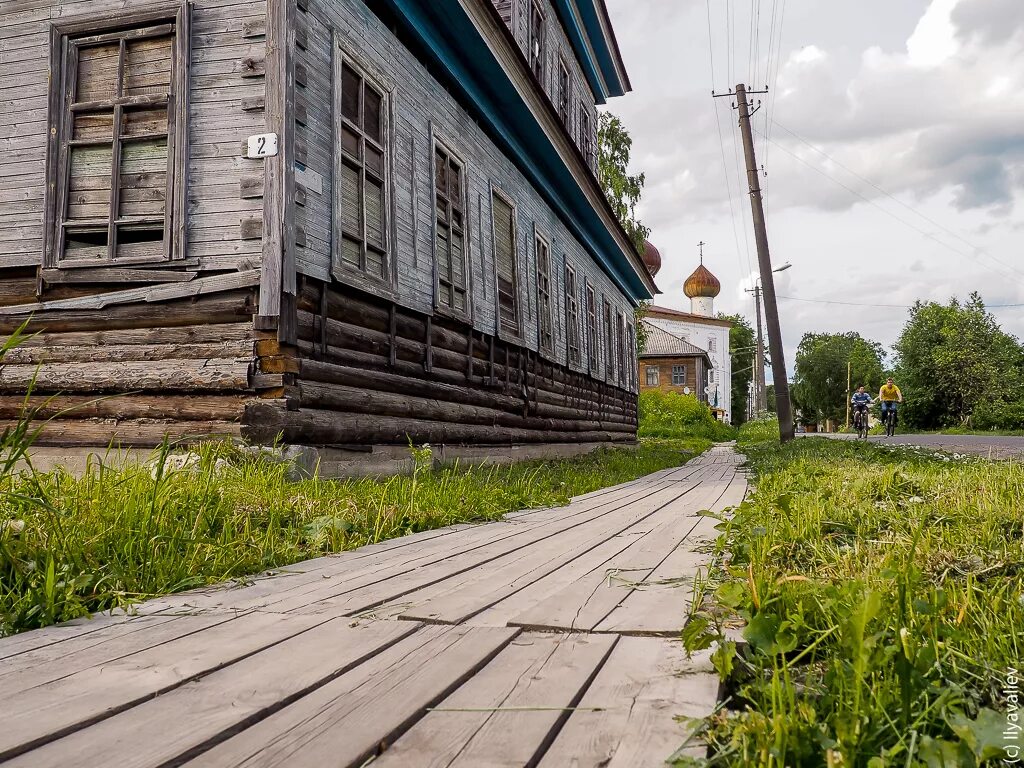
(609, 342)
(545, 293)
(439, 144)
(620, 338)
(573, 340)
(631, 357)
(66, 38)
(563, 93)
(648, 370)
(342, 270)
(503, 327)
(681, 371)
(587, 139)
(537, 40)
(593, 330)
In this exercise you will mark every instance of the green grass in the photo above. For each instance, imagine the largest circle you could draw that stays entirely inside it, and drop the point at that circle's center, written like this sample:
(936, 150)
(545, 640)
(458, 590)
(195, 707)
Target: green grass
(881, 591)
(71, 545)
(672, 415)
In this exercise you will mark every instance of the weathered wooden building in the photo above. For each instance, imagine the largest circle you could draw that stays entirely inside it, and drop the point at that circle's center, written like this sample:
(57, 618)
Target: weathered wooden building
(340, 222)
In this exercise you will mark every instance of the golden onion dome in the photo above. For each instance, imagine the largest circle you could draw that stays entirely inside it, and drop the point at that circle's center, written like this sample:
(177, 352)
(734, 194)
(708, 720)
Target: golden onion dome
(702, 284)
(652, 258)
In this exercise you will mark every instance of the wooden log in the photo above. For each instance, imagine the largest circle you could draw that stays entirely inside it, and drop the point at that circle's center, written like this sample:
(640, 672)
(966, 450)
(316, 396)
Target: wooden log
(100, 434)
(265, 420)
(224, 408)
(223, 308)
(121, 353)
(187, 334)
(157, 375)
(339, 398)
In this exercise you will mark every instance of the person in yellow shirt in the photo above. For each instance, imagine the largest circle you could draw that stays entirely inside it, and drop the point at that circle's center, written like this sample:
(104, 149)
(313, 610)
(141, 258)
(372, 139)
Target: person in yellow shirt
(890, 396)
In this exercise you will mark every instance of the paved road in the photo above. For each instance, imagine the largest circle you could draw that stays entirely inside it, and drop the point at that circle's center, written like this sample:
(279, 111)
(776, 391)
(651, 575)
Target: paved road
(994, 446)
(548, 640)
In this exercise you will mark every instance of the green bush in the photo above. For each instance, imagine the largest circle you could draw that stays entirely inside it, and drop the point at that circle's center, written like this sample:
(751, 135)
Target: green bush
(759, 431)
(671, 415)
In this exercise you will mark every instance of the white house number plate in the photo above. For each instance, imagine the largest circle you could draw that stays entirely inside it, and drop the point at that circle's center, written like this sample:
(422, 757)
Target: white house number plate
(264, 145)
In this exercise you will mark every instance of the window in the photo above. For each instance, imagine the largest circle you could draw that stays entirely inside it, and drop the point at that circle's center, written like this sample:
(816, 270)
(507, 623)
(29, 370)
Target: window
(564, 94)
(572, 318)
(537, 40)
(505, 262)
(586, 135)
(120, 130)
(652, 376)
(609, 339)
(631, 350)
(621, 339)
(450, 230)
(714, 376)
(712, 344)
(678, 375)
(593, 340)
(544, 320)
(361, 191)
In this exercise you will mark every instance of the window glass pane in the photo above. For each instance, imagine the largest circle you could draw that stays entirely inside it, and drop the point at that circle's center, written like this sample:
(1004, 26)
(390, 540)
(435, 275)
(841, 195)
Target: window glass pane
(350, 251)
(139, 122)
(140, 242)
(374, 262)
(147, 66)
(441, 173)
(374, 161)
(374, 213)
(350, 143)
(144, 173)
(89, 183)
(88, 243)
(373, 123)
(351, 201)
(97, 72)
(351, 83)
(455, 184)
(95, 125)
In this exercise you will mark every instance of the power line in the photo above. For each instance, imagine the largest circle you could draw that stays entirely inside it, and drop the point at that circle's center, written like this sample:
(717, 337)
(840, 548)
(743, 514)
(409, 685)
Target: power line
(895, 199)
(887, 212)
(882, 306)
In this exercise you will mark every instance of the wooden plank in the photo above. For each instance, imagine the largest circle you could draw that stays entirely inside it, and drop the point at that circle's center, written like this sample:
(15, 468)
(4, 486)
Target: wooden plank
(659, 603)
(585, 603)
(169, 375)
(342, 723)
(70, 637)
(201, 713)
(45, 712)
(429, 561)
(627, 717)
(511, 708)
(457, 600)
(202, 286)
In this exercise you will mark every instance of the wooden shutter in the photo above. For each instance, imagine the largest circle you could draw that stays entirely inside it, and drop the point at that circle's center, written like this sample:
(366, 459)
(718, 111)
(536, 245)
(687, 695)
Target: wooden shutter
(505, 262)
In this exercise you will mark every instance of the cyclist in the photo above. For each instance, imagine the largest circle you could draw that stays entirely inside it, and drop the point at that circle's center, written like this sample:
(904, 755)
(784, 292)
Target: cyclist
(860, 400)
(890, 396)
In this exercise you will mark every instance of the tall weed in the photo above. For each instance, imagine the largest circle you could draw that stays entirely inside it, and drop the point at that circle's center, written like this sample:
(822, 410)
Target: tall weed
(672, 415)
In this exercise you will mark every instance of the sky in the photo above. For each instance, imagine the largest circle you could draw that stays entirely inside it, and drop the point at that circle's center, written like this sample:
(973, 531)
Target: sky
(892, 141)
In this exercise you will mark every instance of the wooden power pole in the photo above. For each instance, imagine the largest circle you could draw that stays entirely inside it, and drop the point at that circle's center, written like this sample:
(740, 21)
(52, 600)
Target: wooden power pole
(760, 405)
(764, 260)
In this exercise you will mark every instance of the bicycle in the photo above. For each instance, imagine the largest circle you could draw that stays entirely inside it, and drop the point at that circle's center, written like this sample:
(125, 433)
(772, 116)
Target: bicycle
(889, 419)
(860, 422)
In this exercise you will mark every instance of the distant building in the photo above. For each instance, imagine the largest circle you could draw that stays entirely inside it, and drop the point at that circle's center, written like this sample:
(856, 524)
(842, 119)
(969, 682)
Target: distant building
(701, 330)
(672, 364)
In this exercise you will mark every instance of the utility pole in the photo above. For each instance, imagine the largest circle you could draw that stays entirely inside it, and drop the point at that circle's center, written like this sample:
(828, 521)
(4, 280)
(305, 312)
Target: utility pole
(771, 309)
(849, 383)
(759, 386)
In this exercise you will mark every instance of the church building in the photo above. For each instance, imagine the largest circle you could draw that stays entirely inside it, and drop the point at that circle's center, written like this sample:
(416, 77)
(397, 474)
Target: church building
(688, 352)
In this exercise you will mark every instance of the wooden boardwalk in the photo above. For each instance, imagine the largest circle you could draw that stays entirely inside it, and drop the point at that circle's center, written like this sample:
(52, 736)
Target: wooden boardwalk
(544, 640)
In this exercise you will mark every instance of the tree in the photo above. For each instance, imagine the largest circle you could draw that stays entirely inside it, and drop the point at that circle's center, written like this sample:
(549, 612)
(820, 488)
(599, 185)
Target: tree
(820, 378)
(741, 351)
(623, 191)
(954, 362)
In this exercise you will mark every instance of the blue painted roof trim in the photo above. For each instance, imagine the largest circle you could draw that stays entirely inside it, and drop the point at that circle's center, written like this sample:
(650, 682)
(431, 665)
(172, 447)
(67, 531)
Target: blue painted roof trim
(461, 58)
(578, 38)
(603, 75)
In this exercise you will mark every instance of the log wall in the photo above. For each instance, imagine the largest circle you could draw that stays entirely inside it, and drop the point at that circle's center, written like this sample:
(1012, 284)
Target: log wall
(366, 371)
